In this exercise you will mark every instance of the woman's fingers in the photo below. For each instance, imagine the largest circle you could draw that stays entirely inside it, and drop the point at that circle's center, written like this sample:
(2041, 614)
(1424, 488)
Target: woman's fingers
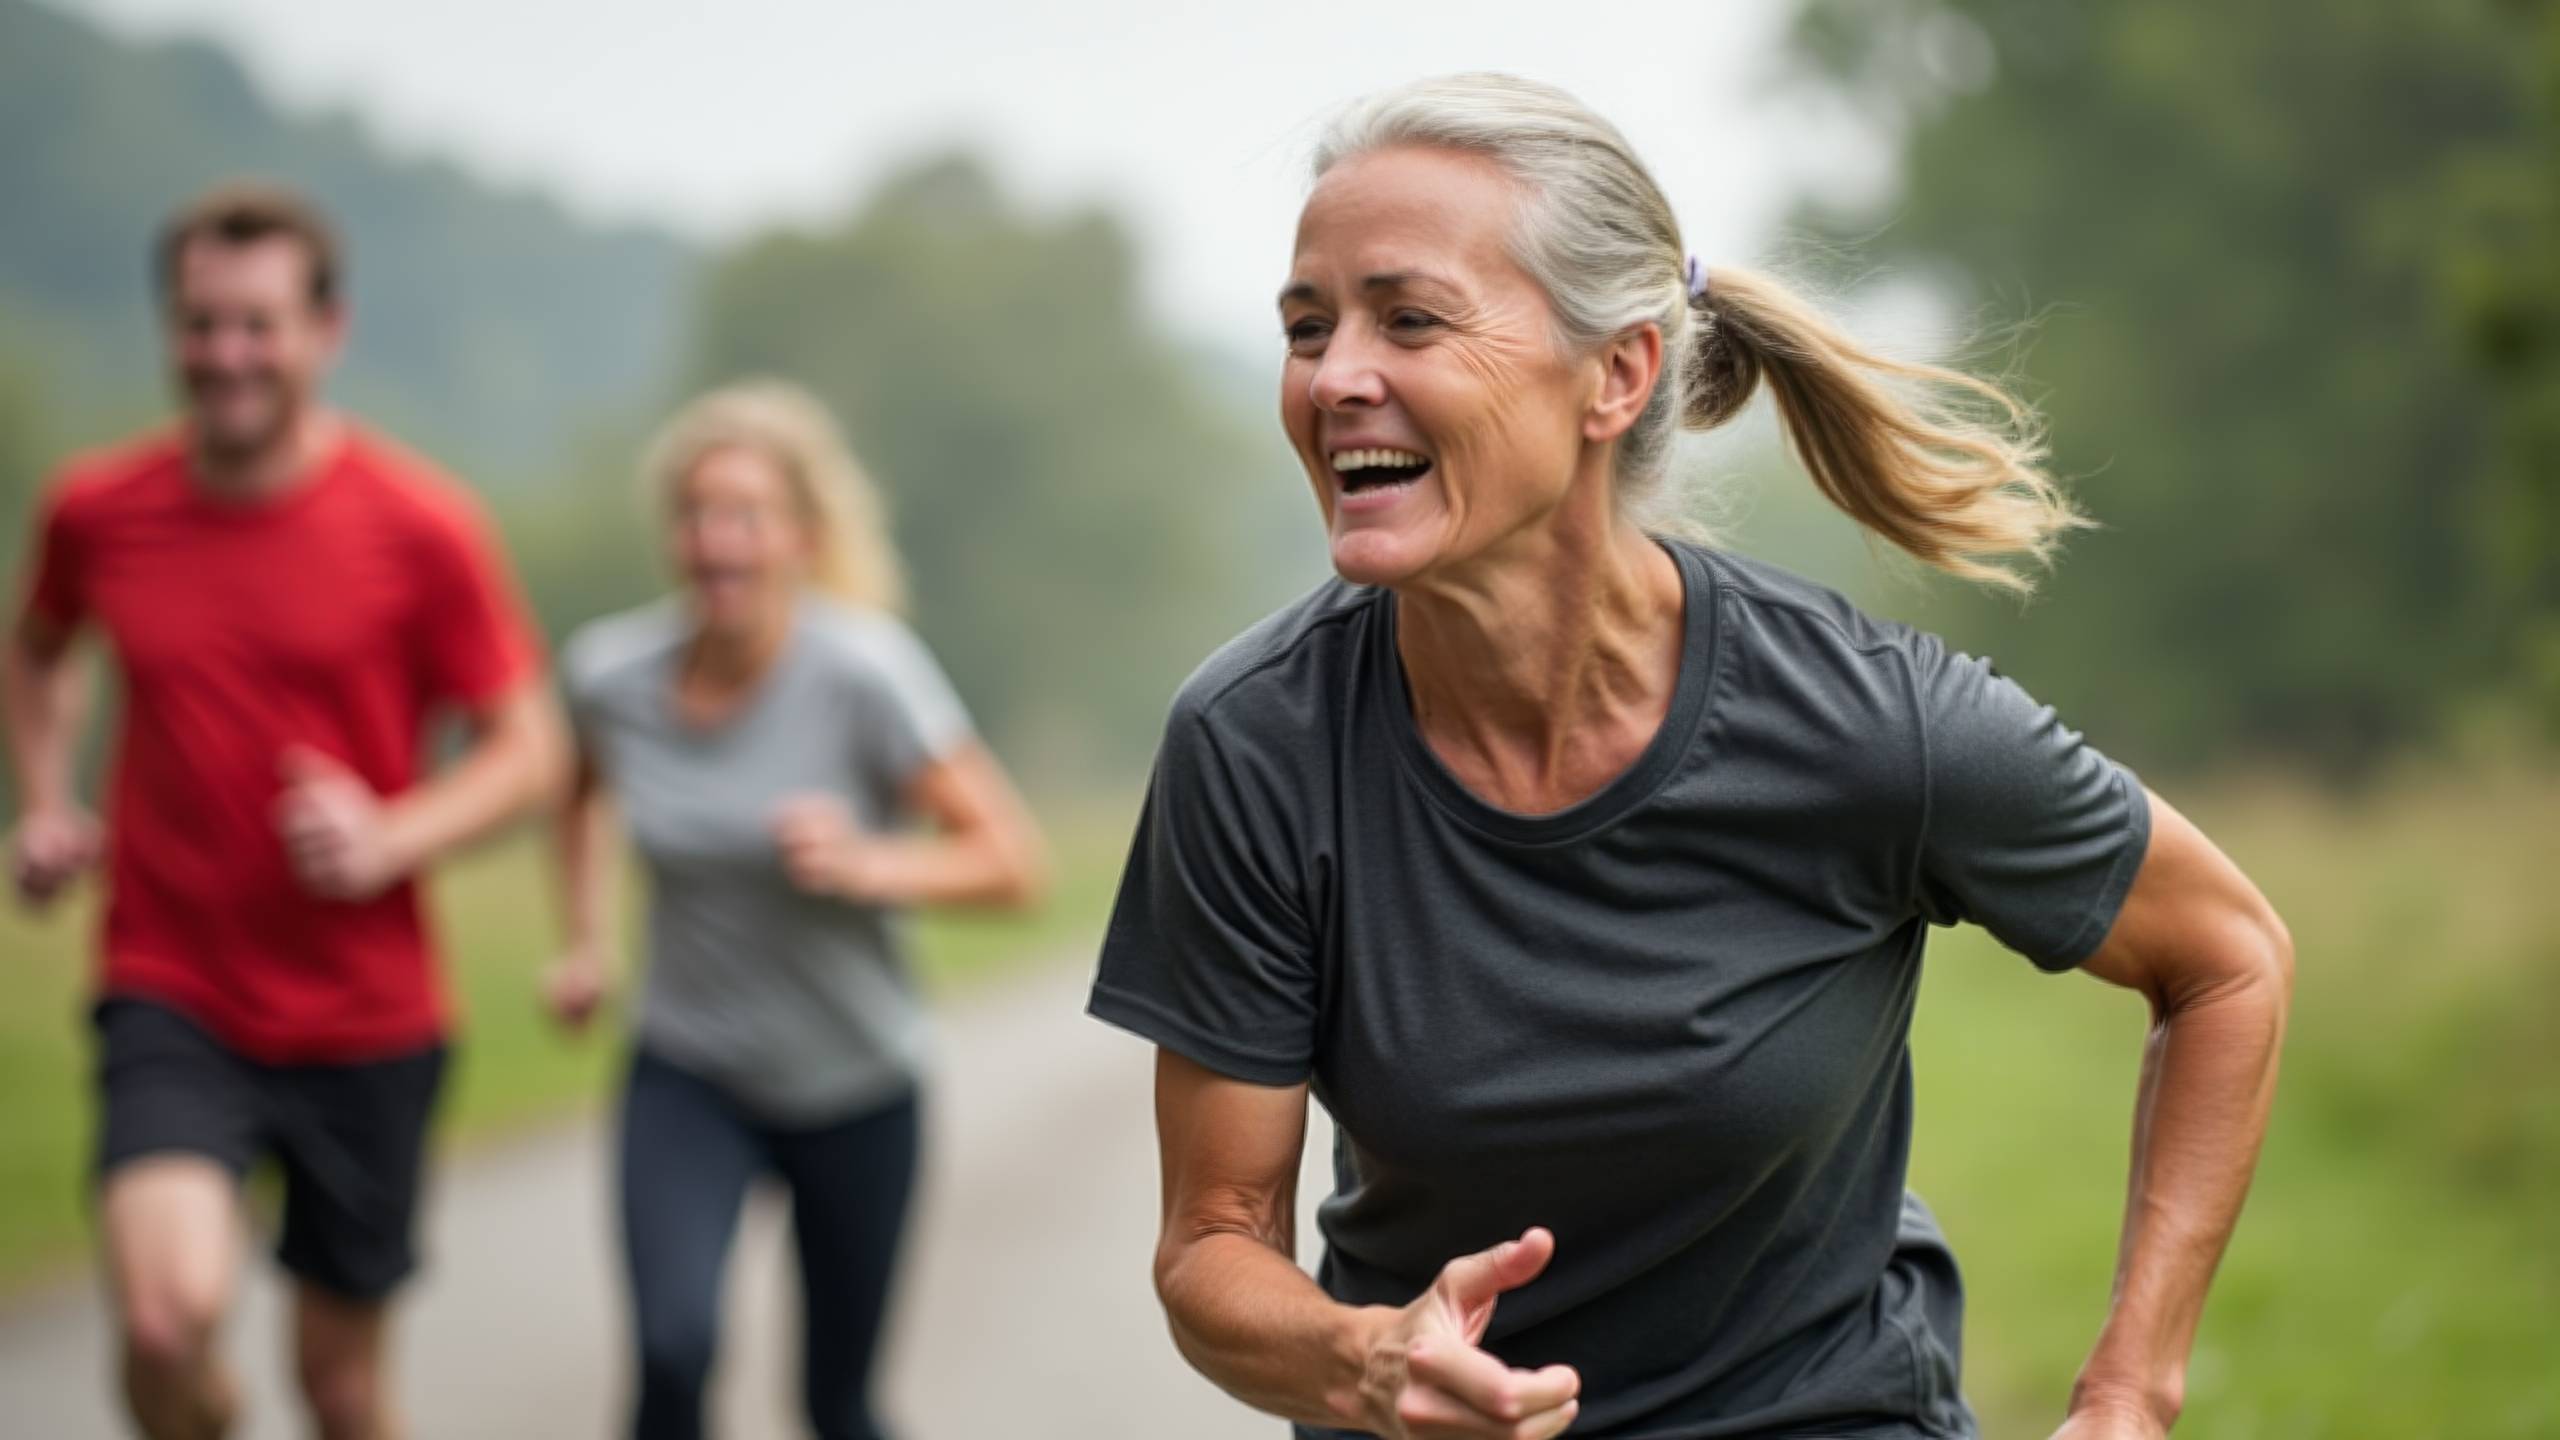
(1427, 1413)
(1489, 1388)
(1554, 1422)
(574, 989)
(1470, 1284)
(1473, 1280)
(1447, 1370)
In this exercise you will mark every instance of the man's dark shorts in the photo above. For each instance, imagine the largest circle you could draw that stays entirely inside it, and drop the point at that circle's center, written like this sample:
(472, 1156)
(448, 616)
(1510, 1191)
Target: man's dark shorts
(349, 1139)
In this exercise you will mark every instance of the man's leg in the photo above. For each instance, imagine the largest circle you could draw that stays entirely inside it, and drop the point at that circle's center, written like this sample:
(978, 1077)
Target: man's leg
(353, 1140)
(172, 1229)
(177, 1127)
(342, 1355)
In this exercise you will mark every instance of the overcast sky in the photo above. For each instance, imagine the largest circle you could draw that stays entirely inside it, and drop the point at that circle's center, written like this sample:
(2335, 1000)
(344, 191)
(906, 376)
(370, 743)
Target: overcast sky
(1193, 119)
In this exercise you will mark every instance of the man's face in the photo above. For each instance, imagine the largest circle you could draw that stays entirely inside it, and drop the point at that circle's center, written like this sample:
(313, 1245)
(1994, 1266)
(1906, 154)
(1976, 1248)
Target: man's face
(248, 344)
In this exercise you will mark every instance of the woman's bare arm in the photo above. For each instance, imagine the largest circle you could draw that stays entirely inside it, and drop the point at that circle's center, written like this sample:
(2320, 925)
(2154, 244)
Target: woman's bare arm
(2208, 952)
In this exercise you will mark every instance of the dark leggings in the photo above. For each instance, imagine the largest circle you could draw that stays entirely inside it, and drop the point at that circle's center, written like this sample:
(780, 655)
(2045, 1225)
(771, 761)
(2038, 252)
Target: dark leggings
(688, 1155)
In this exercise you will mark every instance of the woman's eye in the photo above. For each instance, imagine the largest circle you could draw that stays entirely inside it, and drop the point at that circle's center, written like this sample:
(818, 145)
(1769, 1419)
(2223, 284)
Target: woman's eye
(1412, 320)
(1303, 333)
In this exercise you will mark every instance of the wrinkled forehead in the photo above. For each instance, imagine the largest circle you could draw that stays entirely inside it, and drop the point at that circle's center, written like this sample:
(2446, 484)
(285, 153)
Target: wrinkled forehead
(1405, 210)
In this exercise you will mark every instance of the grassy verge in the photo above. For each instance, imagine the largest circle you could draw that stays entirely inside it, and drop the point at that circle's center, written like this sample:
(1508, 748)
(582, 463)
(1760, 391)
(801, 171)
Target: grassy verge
(2398, 1270)
(512, 1068)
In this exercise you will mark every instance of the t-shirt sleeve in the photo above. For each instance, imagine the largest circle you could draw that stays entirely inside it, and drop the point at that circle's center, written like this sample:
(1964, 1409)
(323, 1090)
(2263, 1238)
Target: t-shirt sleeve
(477, 641)
(56, 592)
(2029, 831)
(1209, 951)
(582, 665)
(912, 716)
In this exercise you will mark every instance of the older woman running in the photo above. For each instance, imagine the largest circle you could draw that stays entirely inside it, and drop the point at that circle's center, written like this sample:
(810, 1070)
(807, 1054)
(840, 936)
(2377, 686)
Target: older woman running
(1583, 872)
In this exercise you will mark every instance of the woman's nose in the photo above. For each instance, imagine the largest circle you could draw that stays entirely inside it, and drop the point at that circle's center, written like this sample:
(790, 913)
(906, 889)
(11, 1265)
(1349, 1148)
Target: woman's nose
(1347, 376)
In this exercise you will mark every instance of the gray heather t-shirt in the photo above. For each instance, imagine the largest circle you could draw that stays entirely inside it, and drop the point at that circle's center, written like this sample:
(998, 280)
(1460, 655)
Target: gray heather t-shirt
(799, 1006)
(1669, 1023)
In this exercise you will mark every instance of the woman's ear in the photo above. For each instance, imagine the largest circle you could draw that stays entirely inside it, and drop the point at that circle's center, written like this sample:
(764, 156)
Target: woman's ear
(1630, 364)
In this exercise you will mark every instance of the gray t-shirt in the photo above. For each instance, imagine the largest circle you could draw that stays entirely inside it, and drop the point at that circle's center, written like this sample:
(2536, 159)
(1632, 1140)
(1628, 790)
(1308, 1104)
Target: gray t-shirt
(798, 1005)
(1670, 1023)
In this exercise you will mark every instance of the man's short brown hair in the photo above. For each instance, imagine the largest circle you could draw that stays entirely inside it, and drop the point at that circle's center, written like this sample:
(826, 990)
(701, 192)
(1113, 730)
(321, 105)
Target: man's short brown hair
(242, 212)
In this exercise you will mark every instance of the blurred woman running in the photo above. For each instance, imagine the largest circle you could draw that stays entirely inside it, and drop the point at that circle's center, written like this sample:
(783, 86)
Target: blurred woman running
(769, 731)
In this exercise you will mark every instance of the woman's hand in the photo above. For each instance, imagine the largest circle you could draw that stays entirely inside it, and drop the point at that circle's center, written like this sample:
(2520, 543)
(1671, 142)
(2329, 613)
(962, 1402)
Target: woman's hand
(1427, 1380)
(2111, 1422)
(1256, 1325)
(575, 985)
(823, 851)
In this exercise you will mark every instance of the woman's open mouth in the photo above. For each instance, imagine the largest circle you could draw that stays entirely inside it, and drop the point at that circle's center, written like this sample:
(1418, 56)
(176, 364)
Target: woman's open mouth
(1376, 469)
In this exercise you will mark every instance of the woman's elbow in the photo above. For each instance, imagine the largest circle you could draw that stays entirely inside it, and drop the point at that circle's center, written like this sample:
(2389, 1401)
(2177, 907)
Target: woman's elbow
(1167, 1263)
(2265, 952)
(2247, 963)
(2231, 954)
(1170, 1267)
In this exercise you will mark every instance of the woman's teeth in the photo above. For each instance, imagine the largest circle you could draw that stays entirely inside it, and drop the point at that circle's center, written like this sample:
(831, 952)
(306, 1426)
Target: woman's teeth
(1345, 461)
(1376, 469)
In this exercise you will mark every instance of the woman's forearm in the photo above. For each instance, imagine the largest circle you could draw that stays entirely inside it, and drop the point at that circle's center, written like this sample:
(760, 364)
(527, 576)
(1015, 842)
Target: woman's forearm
(2208, 1082)
(1251, 1321)
(982, 848)
(582, 851)
(982, 869)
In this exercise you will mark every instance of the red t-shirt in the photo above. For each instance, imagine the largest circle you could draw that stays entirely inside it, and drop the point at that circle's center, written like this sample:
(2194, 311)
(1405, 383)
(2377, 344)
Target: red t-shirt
(340, 615)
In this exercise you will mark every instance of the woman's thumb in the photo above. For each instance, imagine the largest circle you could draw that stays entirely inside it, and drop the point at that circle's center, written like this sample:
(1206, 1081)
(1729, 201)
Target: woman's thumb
(1477, 1279)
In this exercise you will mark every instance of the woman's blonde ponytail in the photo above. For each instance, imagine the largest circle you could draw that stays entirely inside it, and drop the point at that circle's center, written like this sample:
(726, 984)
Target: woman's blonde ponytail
(1943, 465)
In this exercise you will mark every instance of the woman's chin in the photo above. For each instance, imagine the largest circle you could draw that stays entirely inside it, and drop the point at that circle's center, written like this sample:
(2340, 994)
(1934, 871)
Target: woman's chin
(728, 613)
(1381, 554)
(1369, 557)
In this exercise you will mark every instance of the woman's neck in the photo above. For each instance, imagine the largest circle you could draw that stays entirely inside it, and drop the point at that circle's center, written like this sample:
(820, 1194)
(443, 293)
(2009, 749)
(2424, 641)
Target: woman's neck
(730, 658)
(1542, 671)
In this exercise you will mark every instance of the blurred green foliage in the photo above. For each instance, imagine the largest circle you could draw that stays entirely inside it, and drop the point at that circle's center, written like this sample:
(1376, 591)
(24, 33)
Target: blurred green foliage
(486, 321)
(24, 450)
(2302, 264)
(1073, 497)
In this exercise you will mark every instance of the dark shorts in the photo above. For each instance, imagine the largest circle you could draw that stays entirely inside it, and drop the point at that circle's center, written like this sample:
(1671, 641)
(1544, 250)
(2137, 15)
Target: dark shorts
(350, 1140)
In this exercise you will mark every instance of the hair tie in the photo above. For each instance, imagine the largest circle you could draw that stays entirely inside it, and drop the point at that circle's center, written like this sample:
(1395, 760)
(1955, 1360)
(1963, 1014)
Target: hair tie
(1697, 280)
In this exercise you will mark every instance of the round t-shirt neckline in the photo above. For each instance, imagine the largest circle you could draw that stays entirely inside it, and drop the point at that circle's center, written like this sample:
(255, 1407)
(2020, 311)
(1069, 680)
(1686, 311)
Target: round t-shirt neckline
(325, 472)
(1612, 802)
(742, 717)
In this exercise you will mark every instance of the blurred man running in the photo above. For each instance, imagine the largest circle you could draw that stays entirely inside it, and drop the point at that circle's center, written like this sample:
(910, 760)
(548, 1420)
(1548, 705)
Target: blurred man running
(292, 601)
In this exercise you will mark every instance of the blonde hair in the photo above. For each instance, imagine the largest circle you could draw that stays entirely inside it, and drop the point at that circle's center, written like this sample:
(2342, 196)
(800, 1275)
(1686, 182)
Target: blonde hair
(1944, 465)
(846, 514)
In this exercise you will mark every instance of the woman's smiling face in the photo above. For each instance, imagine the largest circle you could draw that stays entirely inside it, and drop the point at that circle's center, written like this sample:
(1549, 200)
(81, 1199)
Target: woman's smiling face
(1425, 390)
(737, 536)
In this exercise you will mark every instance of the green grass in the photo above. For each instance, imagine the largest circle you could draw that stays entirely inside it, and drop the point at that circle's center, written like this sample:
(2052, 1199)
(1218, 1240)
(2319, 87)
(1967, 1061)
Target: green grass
(2398, 1270)
(512, 1068)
